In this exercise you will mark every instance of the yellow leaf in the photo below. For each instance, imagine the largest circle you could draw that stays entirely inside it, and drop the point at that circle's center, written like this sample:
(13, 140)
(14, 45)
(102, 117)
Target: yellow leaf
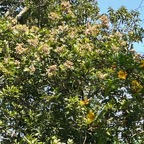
(136, 86)
(84, 102)
(90, 117)
(122, 74)
(142, 64)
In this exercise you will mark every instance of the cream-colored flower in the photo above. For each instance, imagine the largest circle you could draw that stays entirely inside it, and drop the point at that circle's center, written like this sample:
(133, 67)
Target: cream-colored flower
(89, 46)
(22, 28)
(68, 64)
(92, 29)
(45, 49)
(19, 48)
(66, 5)
(104, 20)
(51, 70)
(34, 42)
(54, 16)
(115, 48)
(59, 49)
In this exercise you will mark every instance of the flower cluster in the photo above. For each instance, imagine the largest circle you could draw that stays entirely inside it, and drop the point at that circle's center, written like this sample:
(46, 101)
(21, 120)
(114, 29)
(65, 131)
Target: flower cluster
(104, 20)
(92, 29)
(19, 48)
(54, 16)
(68, 64)
(51, 70)
(22, 28)
(33, 42)
(66, 6)
(45, 49)
(115, 48)
(59, 49)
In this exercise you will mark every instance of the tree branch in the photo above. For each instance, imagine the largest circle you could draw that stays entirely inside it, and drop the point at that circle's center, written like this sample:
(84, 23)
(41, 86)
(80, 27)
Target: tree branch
(24, 10)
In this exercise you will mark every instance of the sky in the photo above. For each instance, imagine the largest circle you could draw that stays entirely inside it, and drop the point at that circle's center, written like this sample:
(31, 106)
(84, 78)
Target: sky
(130, 5)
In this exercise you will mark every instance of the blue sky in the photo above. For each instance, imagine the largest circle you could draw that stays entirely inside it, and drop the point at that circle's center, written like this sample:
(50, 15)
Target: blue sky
(129, 4)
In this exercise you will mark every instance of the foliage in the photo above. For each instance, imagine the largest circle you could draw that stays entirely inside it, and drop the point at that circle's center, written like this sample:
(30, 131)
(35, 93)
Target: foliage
(71, 76)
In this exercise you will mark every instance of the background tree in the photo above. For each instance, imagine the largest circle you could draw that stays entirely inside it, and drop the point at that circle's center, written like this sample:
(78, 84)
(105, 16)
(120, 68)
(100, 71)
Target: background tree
(69, 74)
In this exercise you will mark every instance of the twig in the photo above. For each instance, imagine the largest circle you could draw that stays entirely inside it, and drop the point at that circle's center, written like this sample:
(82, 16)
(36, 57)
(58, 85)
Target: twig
(85, 138)
(139, 5)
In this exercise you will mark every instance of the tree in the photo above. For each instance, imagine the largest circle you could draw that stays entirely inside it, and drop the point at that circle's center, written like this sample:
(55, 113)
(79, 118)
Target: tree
(70, 74)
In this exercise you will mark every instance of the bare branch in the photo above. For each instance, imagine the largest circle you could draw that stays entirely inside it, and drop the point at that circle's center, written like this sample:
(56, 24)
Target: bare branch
(24, 10)
(7, 13)
(85, 138)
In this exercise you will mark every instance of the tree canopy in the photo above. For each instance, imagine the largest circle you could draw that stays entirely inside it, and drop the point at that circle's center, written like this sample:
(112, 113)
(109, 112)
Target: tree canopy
(68, 74)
